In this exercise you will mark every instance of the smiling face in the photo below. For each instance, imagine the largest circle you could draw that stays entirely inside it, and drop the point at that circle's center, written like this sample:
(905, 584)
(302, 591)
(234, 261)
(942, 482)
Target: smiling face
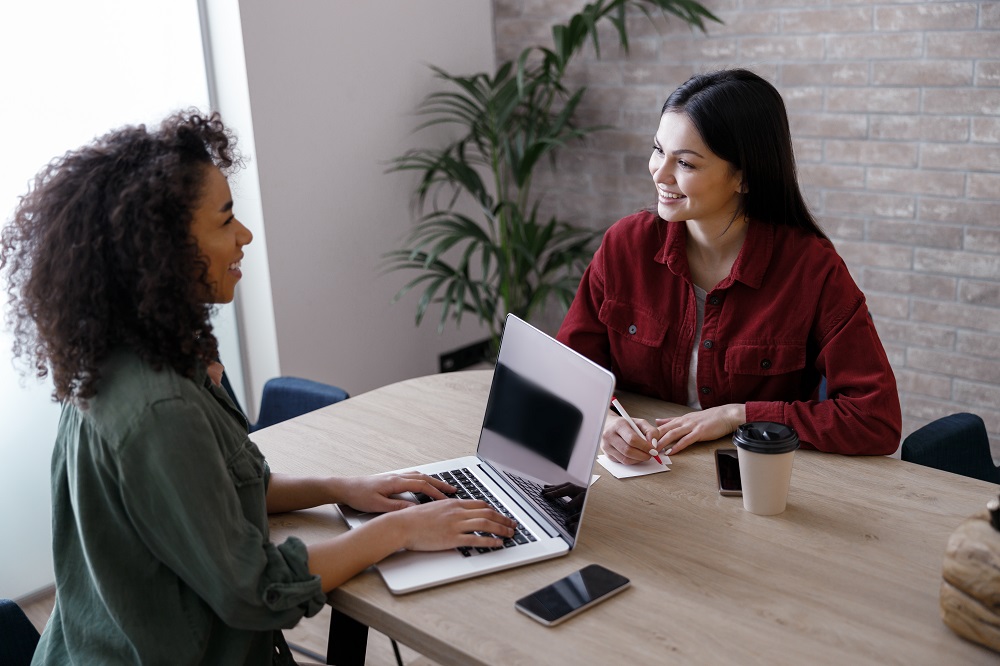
(219, 235)
(692, 182)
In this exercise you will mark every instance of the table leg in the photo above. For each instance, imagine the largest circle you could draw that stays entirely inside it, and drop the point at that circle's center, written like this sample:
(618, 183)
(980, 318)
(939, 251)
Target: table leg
(348, 641)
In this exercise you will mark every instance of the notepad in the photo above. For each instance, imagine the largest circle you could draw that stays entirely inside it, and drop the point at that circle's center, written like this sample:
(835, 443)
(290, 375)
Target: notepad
(642, 469)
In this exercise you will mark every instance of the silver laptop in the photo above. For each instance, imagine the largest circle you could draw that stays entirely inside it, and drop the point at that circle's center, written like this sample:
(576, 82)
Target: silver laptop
(536, 453)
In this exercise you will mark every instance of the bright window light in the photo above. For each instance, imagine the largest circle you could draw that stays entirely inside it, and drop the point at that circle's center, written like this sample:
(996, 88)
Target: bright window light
(71, 71)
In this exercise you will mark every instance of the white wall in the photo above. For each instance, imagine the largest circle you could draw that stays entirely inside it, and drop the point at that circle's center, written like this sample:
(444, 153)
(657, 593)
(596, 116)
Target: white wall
(333, 88)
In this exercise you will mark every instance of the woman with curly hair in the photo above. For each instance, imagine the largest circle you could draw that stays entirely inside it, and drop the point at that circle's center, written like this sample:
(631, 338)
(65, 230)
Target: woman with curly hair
(114, 260)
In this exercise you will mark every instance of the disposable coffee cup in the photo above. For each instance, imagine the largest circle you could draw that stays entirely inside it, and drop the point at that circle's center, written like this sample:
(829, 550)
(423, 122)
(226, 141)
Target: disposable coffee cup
(765, 450)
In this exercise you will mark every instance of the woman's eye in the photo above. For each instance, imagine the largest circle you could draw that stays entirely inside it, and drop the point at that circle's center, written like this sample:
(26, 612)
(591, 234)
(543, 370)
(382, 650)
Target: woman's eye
(685, 165)
(657, 149)
(229, 219)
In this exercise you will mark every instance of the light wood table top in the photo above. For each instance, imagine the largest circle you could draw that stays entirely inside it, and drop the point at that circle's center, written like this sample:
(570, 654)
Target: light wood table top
(848, 574)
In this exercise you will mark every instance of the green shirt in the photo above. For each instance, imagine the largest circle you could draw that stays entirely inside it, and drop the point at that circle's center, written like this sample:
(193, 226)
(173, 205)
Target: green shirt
(160, 533)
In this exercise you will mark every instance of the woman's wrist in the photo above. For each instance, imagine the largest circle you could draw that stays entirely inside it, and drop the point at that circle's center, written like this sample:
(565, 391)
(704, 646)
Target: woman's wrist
(392, 530)
(737, 415)
(335, 488)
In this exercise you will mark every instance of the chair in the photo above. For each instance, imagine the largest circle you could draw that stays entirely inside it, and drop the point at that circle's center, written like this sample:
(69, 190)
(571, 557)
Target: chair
(287, 397)
(957, 443)
(18, 637)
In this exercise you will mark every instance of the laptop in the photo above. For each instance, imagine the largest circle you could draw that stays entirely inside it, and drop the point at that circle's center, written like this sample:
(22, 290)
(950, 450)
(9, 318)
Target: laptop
(537, 446)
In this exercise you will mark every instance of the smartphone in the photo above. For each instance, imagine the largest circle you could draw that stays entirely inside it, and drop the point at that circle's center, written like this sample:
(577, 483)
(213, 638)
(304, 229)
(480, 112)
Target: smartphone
(571, 595)
(727, 470)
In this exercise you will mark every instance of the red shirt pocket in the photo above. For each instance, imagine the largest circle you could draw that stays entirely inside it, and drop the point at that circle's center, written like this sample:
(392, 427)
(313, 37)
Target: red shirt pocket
(765, 371)
(636, 337)
(766, 359)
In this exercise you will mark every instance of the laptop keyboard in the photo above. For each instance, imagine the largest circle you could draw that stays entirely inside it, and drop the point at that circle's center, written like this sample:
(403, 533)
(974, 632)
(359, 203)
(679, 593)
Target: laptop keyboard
(469, 487)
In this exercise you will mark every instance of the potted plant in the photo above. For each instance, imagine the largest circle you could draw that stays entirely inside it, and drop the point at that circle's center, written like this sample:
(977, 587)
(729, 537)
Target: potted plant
(506, 259)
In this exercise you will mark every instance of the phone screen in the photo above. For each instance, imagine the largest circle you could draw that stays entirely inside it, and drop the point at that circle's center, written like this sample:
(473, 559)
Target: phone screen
(727, 467)
(570, 595)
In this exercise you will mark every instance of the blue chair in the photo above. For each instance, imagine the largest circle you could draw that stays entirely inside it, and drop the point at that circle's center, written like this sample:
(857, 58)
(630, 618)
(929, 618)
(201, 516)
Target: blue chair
(957, 443)
(18, 637)
(287, 397)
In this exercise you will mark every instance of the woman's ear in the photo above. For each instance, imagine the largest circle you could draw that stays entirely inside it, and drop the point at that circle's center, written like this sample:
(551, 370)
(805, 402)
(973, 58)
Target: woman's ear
(741, 183)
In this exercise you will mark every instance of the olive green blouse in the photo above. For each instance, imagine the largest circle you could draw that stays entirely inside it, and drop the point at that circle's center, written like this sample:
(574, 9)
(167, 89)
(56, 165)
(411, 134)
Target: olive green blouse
(160, 533)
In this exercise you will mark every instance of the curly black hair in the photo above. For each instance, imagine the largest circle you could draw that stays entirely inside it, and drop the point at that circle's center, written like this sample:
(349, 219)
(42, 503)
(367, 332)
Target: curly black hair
(99, 253)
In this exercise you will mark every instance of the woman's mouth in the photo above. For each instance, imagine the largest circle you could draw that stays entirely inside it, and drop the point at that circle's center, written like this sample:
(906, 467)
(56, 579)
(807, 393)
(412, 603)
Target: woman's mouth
(668, 197)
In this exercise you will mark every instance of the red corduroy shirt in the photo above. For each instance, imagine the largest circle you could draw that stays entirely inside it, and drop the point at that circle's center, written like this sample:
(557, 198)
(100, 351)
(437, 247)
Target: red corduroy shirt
(788, 314)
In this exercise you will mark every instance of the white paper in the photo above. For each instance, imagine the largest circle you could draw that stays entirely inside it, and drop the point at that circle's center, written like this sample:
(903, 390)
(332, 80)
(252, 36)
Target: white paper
(625, 471)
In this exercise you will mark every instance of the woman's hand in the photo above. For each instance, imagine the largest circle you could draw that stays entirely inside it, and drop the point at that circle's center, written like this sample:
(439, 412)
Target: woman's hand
(449, 523)
(620, 443)
(373, 493)
(676, 434)
(439, 525)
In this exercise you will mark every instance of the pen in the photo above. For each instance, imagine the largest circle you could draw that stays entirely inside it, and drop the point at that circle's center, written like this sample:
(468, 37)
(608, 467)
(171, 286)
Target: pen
(621, 410)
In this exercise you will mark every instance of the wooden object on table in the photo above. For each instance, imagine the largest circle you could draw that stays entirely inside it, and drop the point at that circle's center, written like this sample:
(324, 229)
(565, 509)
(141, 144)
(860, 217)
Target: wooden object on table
(970, 591)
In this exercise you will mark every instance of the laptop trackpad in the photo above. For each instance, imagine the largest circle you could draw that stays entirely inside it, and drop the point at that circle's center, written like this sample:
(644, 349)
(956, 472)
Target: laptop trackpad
(355, 517)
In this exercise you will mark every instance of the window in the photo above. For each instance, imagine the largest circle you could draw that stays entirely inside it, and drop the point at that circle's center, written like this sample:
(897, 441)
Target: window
(71, 71)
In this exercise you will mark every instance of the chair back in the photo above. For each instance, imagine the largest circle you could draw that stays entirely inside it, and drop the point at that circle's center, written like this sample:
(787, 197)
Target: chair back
(957, 443)
(287, 397)
(18, 637)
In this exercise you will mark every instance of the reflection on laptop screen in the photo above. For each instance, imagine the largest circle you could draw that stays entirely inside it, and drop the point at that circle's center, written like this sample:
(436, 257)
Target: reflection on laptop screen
(527, 414)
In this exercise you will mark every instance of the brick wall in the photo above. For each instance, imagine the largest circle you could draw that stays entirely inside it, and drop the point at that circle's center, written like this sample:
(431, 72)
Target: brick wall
(895, 113)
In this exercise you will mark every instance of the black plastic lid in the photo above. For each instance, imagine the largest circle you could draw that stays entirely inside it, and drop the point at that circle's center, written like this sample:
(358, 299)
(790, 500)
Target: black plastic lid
(766, 437)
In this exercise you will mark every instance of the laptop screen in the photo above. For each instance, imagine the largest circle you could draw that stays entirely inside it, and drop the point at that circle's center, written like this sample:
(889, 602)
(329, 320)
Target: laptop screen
(526, 414)
(543, 421)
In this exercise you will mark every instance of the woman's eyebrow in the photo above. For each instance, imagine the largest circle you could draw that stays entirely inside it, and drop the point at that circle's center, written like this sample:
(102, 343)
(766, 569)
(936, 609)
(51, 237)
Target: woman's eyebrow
(680, 151)
(226, 207)
(685, 151)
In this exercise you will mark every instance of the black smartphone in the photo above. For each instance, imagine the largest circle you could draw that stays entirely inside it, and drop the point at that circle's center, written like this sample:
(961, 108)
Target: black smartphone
(570, 595)
(727, 470)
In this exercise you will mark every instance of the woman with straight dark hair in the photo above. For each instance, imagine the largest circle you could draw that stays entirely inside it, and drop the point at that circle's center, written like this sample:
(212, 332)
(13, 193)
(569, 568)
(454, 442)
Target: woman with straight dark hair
(729, 298)
(115, 259)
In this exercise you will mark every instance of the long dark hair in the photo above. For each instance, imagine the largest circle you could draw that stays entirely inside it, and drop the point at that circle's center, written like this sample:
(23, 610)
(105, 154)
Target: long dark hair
(742, 119)
(99, 253)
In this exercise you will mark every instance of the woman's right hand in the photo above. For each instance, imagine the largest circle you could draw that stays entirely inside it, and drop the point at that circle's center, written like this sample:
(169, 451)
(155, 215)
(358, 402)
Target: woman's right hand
(620, 443)
(450, 523)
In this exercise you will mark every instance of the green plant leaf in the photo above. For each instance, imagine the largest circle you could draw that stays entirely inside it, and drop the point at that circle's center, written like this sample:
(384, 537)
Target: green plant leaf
(505, 259)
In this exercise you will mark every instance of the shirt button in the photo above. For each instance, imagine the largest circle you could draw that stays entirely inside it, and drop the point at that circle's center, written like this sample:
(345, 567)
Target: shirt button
(705, 390)
(766, 363)
(632, 329)
(708, 344)
(714, 300)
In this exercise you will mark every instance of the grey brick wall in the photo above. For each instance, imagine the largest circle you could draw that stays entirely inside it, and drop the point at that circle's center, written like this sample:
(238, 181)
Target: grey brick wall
(895, 113)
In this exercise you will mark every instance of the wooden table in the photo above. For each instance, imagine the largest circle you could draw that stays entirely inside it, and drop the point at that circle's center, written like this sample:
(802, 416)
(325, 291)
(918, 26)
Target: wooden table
(848, 574)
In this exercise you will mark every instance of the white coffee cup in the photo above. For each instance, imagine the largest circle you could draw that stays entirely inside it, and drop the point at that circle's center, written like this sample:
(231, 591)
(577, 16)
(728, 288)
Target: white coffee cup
(766, 451)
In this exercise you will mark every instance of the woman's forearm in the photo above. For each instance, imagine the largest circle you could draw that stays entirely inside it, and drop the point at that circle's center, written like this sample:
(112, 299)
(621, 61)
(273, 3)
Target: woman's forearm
(286, 492)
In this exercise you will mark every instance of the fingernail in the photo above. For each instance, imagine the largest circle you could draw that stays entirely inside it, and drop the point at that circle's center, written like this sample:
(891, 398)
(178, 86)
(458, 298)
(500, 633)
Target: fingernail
(668, 451)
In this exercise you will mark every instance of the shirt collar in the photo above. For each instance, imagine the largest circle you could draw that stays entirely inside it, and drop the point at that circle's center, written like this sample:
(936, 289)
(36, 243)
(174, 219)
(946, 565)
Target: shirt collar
(751, 263)
(201, 374)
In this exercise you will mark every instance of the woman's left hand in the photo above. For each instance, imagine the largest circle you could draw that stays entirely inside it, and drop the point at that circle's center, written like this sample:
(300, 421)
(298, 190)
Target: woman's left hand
(680, 432)
(374, 493)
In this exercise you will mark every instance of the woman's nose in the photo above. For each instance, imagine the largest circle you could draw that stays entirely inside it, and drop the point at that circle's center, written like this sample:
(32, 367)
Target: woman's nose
(246, 237)
(663, 174)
